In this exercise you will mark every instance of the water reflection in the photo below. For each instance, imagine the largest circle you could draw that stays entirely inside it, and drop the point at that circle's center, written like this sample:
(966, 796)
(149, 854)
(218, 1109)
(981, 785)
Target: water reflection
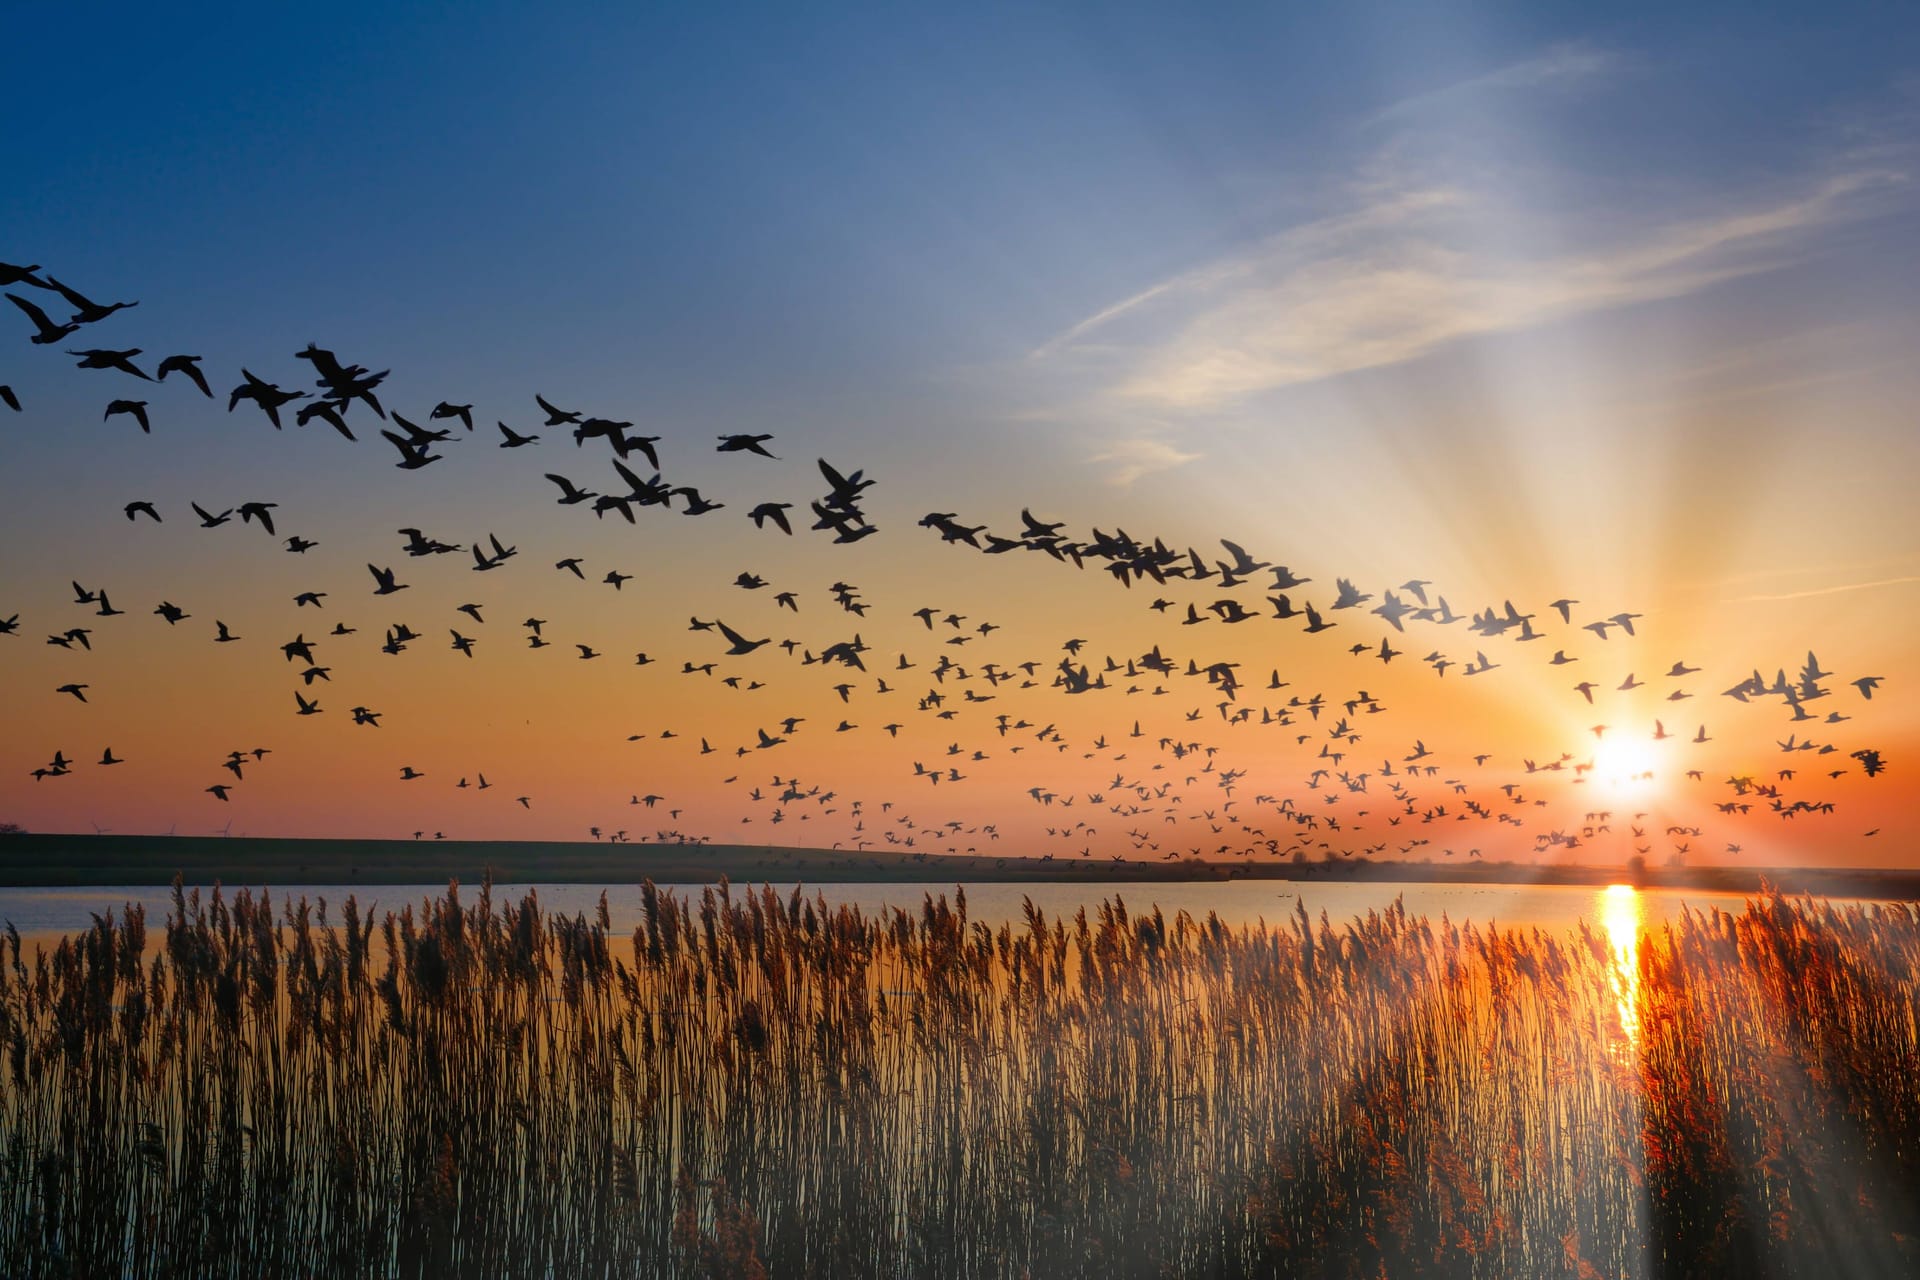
(1623, 916)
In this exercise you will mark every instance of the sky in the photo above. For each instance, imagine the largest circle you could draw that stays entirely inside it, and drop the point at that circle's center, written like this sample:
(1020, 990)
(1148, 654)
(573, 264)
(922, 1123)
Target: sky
(1527, 305)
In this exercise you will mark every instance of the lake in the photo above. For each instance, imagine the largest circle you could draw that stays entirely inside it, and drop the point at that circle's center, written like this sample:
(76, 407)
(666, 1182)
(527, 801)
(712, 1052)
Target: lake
(42, 913)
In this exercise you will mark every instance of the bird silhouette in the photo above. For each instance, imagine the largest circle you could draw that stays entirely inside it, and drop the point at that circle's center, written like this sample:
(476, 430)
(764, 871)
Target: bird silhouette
(47, 331)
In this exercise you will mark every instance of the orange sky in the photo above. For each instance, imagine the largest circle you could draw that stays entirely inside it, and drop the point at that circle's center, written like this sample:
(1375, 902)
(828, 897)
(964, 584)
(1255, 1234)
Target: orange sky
(1523, 314)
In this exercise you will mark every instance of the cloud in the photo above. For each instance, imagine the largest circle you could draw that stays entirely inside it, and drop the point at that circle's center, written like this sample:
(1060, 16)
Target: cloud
(1560, 64)
(1139, 456)
(1404, 271)
(1830, 591)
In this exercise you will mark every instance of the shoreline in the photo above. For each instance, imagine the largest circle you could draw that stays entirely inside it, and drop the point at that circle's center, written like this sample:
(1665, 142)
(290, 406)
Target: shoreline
(75, 861)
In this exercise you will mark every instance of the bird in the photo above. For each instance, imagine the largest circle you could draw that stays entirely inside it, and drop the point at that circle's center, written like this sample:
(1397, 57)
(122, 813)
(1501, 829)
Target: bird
(555, 417)
(744, 444)
(510, 440)
(738, 644)
(569, 493)
(261, 511)
(142, 507)
(384, 581)
(328, 412)
(269, 397)
(189, 367)
(86, 311)
(101, 358)
(774, 511)
(11, 274)
(135, 409)
(207, 519)
(49, 332)
(75, 690)
(464, 412)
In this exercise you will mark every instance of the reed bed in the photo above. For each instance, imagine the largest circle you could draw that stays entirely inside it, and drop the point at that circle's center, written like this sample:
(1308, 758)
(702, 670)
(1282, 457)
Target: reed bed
(753, 1085)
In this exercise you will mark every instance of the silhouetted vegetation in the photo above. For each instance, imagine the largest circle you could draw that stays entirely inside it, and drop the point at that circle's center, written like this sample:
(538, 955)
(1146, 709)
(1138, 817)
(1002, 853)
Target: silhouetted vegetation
(758, 1085)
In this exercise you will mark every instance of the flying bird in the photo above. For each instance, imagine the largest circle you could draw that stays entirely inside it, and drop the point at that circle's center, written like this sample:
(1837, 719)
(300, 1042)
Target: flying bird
(187, 366)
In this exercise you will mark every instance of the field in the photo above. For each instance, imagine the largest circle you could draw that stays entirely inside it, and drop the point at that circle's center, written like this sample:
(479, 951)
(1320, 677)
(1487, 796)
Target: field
(761, 1085)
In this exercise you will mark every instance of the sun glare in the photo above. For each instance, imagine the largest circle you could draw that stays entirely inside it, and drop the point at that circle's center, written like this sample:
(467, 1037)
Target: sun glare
(1621, 915)
(1624, 763)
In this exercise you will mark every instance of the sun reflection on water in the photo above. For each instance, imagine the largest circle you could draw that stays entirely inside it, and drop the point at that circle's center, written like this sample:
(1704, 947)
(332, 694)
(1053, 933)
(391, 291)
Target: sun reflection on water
(1620, 912)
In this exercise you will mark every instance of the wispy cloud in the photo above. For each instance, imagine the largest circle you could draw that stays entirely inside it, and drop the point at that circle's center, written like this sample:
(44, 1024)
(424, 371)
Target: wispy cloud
(1129, 460)
(1560, 64)
(1830, 591)
(1403, 272)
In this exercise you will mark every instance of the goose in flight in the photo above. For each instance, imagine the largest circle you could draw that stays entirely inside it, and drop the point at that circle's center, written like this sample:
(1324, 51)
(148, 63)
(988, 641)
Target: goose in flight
(745, 444)
(49, 332)
(774, 511)
(738, 643)
(383, 578)
(413, 453)
(135, 409)
(555, 417)
(101, 358)
(569, 493)
(261, 511)
(11, 274)
(328, 412)
(269, 397)
(189, 367)
(85, 310)
(1350, 596)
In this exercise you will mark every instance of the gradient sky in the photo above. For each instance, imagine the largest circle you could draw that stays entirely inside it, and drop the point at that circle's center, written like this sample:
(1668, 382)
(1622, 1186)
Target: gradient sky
(1524, 304)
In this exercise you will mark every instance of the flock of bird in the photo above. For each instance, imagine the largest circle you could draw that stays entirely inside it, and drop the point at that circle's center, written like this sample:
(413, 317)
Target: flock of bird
(1201, 756)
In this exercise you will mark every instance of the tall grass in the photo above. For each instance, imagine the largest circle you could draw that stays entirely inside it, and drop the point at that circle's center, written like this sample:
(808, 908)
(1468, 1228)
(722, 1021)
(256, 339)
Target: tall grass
(753, 1085)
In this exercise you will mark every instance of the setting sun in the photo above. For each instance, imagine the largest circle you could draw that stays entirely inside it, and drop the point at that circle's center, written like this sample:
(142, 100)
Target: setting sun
(1622, 762)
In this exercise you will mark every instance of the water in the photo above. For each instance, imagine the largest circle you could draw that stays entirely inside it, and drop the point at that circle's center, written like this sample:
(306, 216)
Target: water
(44, 913)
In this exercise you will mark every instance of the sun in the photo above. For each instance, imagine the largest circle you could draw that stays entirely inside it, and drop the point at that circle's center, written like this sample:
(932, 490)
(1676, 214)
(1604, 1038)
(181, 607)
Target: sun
(1622, 762)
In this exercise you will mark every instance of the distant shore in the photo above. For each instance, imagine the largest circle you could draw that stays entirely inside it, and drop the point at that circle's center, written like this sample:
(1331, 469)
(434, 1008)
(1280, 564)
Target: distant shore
(87, 860)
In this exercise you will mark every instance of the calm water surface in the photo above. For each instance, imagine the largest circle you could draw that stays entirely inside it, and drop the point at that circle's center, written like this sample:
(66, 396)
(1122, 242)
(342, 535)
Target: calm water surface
(48, 912)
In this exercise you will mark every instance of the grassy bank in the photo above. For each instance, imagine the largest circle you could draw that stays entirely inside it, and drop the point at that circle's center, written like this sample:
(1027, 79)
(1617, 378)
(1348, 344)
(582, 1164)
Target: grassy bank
(758, 1085)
